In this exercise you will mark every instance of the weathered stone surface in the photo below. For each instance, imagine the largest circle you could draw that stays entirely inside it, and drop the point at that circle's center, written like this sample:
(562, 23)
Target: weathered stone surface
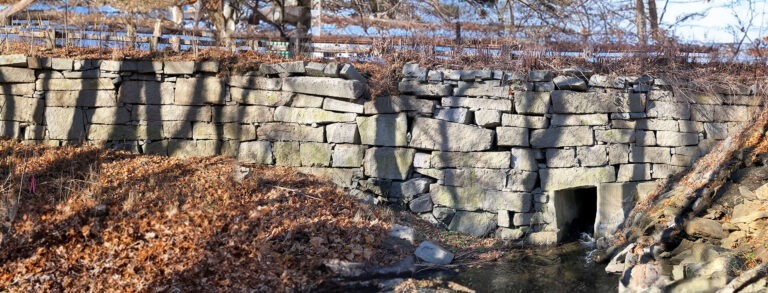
(562, 137)
(349, 72)
(634, 172)
(65, 123)
(579, 120)
(717, 131)
(475, 224)
(523, 159)
(86, 98)
(592, 102)
(397, 104)
(23, 109)
(413, 187)
(477, 103)
(146, 92)
(434, 134)
(646, 124)
(171, 113)
(470, 75)
(540, 75)
(564, 178)
(304, 101)
(457, 115)
(668, 110)
(660, 155)
(521, 180)
(198, 91)
(492, 160)
(512, 136)
(342, 106)
(258, 152)
(532, 102)
(618, 154)
(289, 132)
(703, 113)
(388, 163)
(510, 234)
(179, 67)
(527, 219)
(205, 66)
(471, 177)
(487, 118)
(645, 138)
(460, 198)
(673, 139)
(194, 148)
(17, 89)
(67, 84)
(108, 115)
(383, 130)
(615, 135)
(243, 114)
(701, 227)
(433, 253)
(561, 158)
(524, 121)
(310, 116)
(261, 97)
(257, 83)
(664, 170)
(124, 132)
(115, 66)
(477, 89)
(690, 126)
(504, 218)
(592, 156)
(605, 81)
(734, 113)
(422, 160)
(315, 154)
(342, 133)
(507, 200)
(337, 88)
(286, 153)
(570, 83)
(177, 129)
(421, 204)
(15, 60)
(315, 69)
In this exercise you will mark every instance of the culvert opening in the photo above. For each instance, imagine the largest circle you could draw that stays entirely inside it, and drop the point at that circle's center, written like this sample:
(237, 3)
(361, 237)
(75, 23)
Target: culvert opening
(576, 210)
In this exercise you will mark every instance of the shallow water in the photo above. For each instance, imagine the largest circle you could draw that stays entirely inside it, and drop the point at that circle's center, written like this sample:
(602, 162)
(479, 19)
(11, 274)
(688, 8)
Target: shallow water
(566, 268)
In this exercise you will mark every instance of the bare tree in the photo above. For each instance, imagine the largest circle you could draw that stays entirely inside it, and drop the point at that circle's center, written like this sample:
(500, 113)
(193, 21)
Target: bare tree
(13, 8)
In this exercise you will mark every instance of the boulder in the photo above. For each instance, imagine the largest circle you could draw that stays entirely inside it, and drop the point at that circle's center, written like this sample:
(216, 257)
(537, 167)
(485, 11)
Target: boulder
(475, 224)
(433, 253)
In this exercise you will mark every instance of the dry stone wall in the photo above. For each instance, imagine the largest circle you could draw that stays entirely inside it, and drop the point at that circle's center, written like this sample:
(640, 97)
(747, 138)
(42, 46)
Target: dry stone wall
(477, 151)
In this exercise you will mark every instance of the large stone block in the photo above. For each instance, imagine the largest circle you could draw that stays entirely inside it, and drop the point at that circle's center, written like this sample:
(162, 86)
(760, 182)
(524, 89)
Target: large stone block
(425, 89)
(523, 159)
(645, 138)
(17, 75)
(477, 103)
(565, 178)
(289, 132)
(319, 86)
(256, 152)
(179, 67)
(460, 198)
(17, 89)
(615, 135)
(615, 202)
(618, 154)
(383, 130)
(397, 104)
(146, 92)
(286, 153)
(521, 180)
(124, 132)
(592, 102)
(342, 106)
(65, 123)
(506, 200)
(492, 179)
(108, 115)
(515, 120)
(562, 137)
(257, 83)
(171, 113)
(260, 97)
(673, 139)
(634, 172)
(307, 101)
(193, 148)
(491, 160)
(23, 109)
(315, 154)
(481, 89)
(342, 133)
(457, 115)
(74, 84)
(579, 120)
(348, 155)
(569, 83)
(199, 91)
(311, 116)
(668, 110)
(487, 118)
(661, 171)
(717, 131)
(561, 158)
(703, 113)
(512, 136)
(734, 113)
(15, 60)
(388, 163)
(243, 114)
(434, 134)
(650, 155)
(592, 156)
(475, 224)
(177, 129)
(532, 102)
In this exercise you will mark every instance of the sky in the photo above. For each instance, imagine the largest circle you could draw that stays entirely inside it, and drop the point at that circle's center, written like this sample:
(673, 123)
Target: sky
(719, 20)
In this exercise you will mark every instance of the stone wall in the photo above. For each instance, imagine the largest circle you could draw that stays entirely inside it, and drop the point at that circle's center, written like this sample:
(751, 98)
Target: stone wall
(477, 151)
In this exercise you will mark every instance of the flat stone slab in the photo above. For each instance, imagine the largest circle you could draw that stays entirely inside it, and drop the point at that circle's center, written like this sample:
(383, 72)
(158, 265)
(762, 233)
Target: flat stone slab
(433, 134)
(388, 163)
(311, 115)
(320, 86)
(383, 130)
(491, 160)
(257, 83)
(433, 253)
(198, 91)
(289, 132)
(564, 101)
(562, 137)
(475, 224)
(17, 75)
(261, 97)
(146, 92)
(564, 178)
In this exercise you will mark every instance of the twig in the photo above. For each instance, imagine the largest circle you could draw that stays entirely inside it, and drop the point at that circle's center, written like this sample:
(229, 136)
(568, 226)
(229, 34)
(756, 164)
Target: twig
(299, 192)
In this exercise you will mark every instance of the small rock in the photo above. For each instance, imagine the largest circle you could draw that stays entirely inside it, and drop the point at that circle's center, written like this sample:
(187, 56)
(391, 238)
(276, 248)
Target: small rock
(100, 211)
(433, 253)
(402, 232)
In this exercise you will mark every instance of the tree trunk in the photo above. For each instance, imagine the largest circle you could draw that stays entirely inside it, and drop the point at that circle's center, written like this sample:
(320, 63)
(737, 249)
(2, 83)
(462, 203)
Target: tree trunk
(653, 18)
(9, 11)
(640, 22)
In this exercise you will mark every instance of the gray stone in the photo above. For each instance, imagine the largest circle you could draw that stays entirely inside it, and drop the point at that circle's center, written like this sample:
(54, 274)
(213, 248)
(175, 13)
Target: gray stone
(413, 71)
(179, 67)
(342, 106)
(243, 114)
(337, 88)
(443, 214)
(315, 154)
(564, 178)
(475, 224)
(592, 156)
(202, 66)
(146, 92)
(388, 163)
(305, 101)
(512, 136)
(177, 129)
(383, 130)
(668, 110)
(460, 198)
(735, 113)
(425, 89)
(477, 103)
(348, 155)
(605, 81)
(434, 134)
(523, 159)
(476, 89)
(690, 126)
(286, 153)
(315, 69)
(311, 116)
(413, 187)
(659, 155)
(433, 253)
(570, 83)
(198, 91)
(540, 75)
(532, 102)
(701, 227)
(514, 120)
(504, 218)
(661, 171)
(717, 131)
(492, 160)
(196, 148)
(258, 152)
(289, 132)
(61, 64)
(562, 137)
(618, 154)
(15, 60)
(87, 98)
(63, 84)
(298, 67)
(17, 89)
(592, 102)
(65, 123)
(634, 172)
(331, 70)
(397, 104)
(579, 120)
(422, 204)
(493, 179)
(422, 160)
(342, 133)
(507, 200)
(527, 219)
(257, 83)
(469, 75)
(510, 234)
(171, 113)
(487, 118)
(108, 115)
(124, 132)
(615, 136)
(703, 113)
(673, 139)
(518, 180)
(561, 158)
(457, 115)
(260, 97)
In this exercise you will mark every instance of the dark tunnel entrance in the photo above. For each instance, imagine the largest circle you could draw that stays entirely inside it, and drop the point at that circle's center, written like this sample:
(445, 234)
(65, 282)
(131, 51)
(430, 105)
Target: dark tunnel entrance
(575, 210)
